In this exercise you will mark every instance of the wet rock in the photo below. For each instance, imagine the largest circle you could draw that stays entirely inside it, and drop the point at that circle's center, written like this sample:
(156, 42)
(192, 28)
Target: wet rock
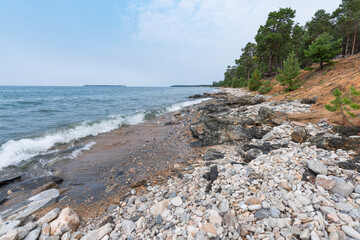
(5, 181)
(24, 209)
(317, 167)
(35, 183)
(44, 187)
(212, 154)
(98, 233)
(67, 220)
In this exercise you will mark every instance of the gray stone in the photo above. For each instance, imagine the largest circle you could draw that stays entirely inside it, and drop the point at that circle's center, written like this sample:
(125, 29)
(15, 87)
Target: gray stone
(317, 167)
(342, 188)
(11, 235)
(158, 220)
(327, 210)
(224, 205)
(128, 226)
(98, 233)
(357, 188)
(350, 232)
(274, 213)
(176, 201)
(201, 235)
(34, 234)
(355, 214)
(8, 226)
(344, 206)
(262, 214)
(23, 231)
(48, 217)
(24, 209)
(305, 234)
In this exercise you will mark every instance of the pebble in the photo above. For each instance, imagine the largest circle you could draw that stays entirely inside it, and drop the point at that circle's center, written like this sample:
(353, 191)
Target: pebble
(351, 232)
(176, 201)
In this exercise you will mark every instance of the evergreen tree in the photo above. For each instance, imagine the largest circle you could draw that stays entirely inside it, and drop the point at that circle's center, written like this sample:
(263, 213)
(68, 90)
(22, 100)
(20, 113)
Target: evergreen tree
(288, 75)
(323, 49)
(254, 81)
(274, 38)
(246, 63)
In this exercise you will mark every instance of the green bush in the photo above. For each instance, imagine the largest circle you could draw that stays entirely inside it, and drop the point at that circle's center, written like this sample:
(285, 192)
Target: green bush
(344, 104)
(308, 68)
(254, 81)
(265, 87)
(288, 76)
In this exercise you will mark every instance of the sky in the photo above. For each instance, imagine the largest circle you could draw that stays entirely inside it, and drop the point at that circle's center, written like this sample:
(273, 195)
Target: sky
(131, 42)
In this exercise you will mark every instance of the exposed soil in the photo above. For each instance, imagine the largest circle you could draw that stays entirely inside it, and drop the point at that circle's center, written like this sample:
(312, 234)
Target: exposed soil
(342, 74)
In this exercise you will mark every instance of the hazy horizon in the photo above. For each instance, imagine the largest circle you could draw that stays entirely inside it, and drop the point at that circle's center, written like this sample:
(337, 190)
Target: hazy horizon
(134, 43)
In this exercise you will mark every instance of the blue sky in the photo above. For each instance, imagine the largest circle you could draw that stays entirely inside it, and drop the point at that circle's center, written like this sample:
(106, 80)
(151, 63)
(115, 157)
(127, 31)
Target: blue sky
(136, 43)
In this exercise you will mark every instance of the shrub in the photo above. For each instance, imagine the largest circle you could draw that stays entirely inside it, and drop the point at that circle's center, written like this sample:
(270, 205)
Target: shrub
(265, 87)
(288, 75)
(254, 81)
(344, 104)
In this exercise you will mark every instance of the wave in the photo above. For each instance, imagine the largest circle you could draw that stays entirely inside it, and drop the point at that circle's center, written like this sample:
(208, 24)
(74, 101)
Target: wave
(15, 152)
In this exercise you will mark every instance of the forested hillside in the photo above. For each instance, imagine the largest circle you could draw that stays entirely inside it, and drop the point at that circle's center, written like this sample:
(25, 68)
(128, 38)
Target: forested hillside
(282, 47)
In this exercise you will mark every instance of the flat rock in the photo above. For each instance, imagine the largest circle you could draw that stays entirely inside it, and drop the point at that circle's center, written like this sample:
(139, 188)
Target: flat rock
(34, 234)
(12, 235)
(351, 232)
(8, 226)
(317, 167)
(355, 214)
(35, 183)
(5, 181)
(98, 233)
(212, 154)
(24, 209)
(48, 217)
(262, 214)
(342, 188)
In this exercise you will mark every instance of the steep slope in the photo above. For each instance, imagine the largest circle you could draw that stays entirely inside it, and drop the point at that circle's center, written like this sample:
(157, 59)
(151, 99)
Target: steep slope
(342, 74)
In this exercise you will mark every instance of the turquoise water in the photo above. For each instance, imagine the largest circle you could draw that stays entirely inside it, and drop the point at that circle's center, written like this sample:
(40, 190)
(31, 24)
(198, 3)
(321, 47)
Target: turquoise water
(33, 120)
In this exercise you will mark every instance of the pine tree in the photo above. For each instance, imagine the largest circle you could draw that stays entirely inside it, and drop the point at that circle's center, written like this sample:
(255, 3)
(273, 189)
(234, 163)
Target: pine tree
(254, 81)
(323, 49)
(288, 76)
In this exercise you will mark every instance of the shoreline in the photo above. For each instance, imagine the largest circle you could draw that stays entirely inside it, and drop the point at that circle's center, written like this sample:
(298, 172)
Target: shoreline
(257, 174)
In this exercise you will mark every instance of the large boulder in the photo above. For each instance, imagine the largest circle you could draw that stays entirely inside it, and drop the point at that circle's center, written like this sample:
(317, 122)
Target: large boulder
(272, 117)
(66, 221)
(245, 100)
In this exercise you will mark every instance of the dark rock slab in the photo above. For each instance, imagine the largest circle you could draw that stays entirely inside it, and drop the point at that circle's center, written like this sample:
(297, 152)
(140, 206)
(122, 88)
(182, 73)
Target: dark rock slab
(310, 101)
(299, 135)
(5, 181)
(212, 154)
(245, 100)
(35, 183)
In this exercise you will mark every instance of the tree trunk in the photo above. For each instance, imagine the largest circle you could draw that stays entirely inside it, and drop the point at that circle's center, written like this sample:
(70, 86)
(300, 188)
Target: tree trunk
(248, 75)
(353, 47)
(321, 65)
(347, 43)
(270, 63)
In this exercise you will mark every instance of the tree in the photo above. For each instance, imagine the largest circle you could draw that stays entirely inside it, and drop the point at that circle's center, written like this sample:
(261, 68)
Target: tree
(348, 16)
(246, 63)
(254, 81)
(288, 76)
(274, 38)
(323, 49)
(344, 104)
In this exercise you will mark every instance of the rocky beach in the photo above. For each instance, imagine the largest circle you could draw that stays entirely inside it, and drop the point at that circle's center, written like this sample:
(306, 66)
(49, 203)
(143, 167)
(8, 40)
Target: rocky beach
(238, 166)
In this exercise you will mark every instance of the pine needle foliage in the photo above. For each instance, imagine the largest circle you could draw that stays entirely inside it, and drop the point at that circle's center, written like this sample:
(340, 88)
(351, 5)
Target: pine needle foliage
(344, 104)
(288, 76)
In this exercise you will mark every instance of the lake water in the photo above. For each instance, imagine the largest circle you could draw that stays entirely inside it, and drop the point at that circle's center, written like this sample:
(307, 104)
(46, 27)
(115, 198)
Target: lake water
(35, 120)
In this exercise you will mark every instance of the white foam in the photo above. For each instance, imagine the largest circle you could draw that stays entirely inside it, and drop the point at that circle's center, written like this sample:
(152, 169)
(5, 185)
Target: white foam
(13, 152)
(178, 106)
(77, 152)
